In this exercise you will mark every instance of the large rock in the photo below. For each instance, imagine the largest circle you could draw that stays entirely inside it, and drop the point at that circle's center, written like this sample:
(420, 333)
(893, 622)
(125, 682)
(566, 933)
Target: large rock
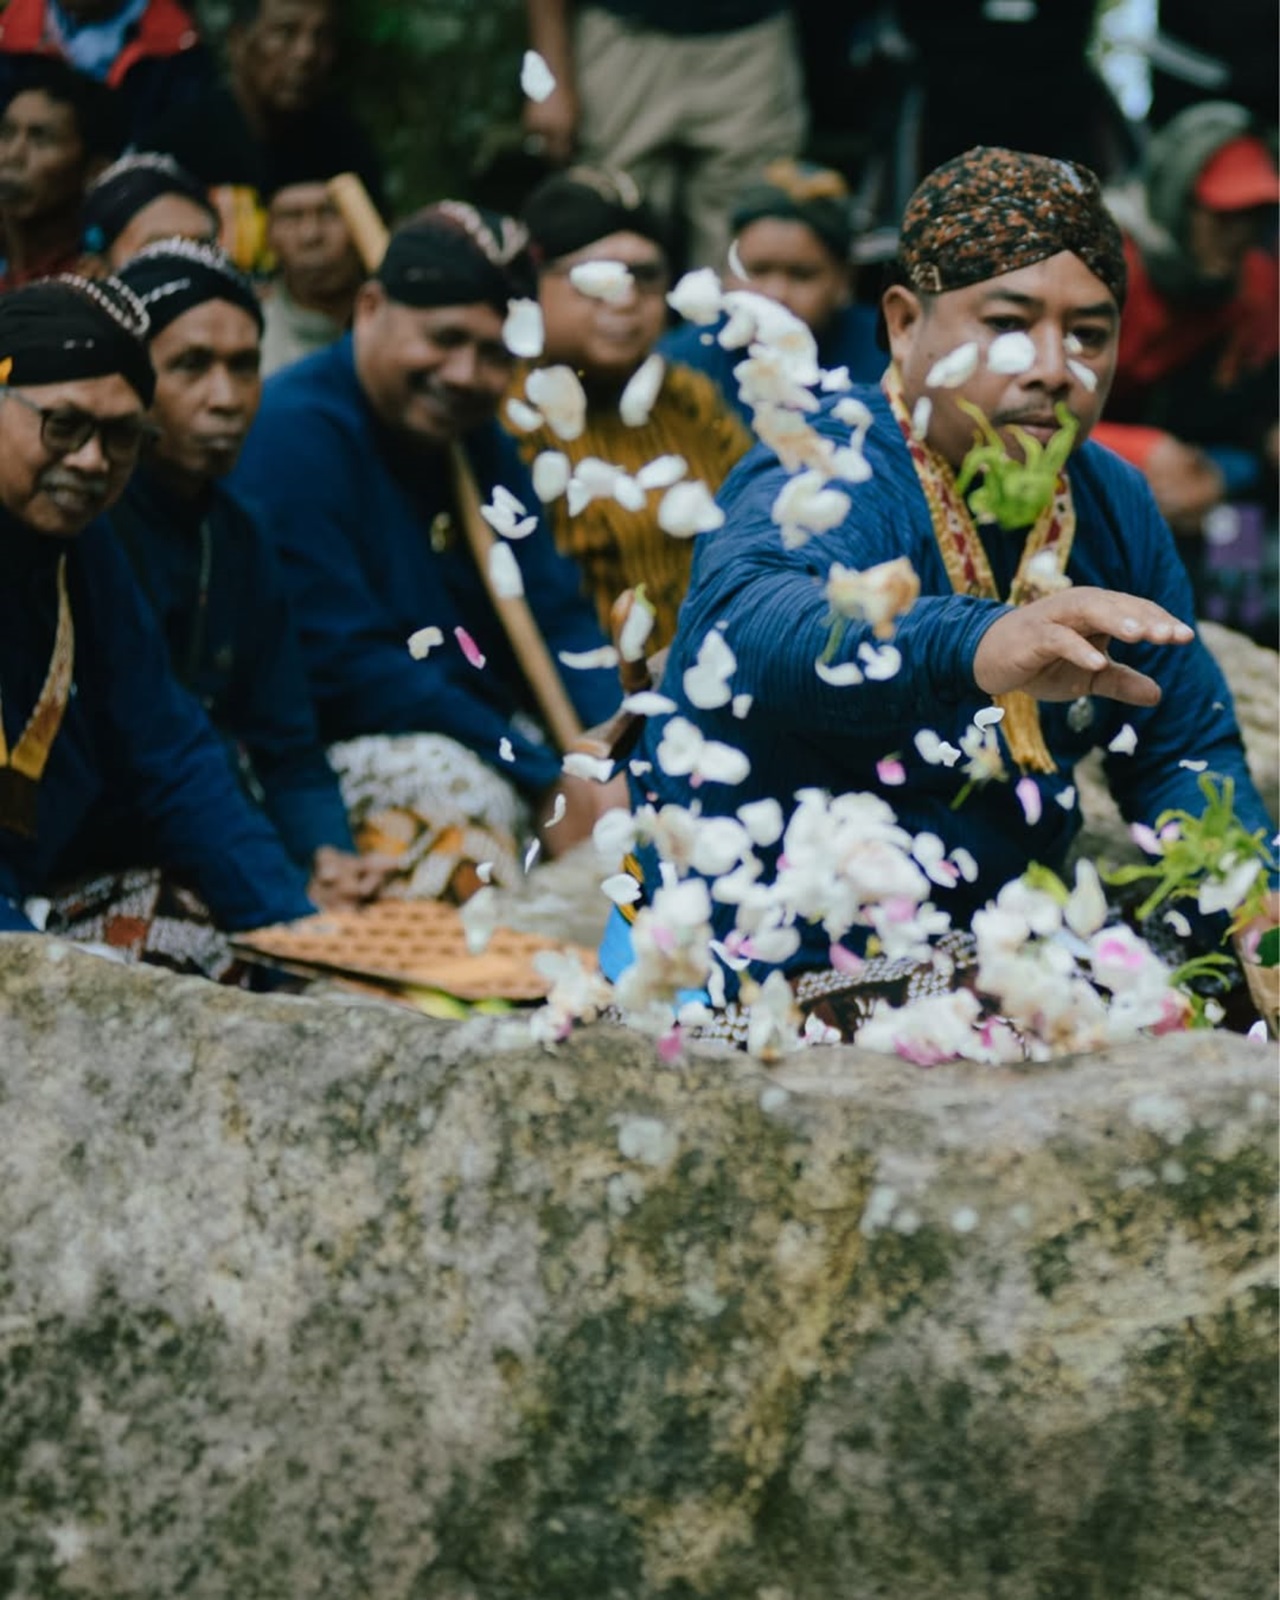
(301, 1298)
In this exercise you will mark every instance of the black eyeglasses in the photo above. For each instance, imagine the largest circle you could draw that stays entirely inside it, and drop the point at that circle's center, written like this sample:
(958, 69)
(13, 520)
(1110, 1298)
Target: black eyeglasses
(66, 429)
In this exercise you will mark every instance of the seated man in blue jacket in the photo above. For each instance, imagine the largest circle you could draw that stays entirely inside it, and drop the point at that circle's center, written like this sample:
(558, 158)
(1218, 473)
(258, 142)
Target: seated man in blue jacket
(1077, 623)
(211, 576)
(91, 717)
(443, 755)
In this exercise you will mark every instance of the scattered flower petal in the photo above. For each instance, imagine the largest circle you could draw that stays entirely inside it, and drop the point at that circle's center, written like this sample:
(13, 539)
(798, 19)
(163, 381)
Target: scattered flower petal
(622, 889)
(537, 80)
(551, 472)
(936, 750)
(921, 416)
(965, 864)
(470, 649)
(504, 572)
(988, 716)
(423, 642)
(706, 683)
(636, 629)
(696, 297)
(585, 660)
(484, 871)
(841, 676)
(610, 281)
(648, 703)
(506, 751)
(560, 399)
(1125, 742)
(643, 387)
(579, 765)
(1066, 798)
(531, 855)
(891, 772)
(1179, 924)
(741, 704)
(558, 808)
(880, 664)
(1086, 907)
(955, 368)
(1030, 799)
(522, 332)
(688, 509)
(1194, 766)
(662, 472)
(1011, 353)
(522, 416)
(763, 820)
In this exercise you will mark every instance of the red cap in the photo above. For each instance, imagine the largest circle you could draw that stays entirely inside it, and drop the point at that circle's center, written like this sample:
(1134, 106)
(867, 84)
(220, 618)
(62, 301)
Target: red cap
(1239, 176)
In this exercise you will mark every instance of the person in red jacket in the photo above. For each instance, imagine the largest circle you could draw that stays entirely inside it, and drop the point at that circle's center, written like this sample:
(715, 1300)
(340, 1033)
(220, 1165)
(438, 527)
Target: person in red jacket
(1194, 400)
(148, 50)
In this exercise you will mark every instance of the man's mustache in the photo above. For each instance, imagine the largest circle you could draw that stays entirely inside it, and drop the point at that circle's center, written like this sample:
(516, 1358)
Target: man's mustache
(92, 486)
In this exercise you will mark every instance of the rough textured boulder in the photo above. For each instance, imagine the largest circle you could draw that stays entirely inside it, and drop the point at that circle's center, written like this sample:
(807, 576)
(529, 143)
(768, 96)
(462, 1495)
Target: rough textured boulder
(300, 1298)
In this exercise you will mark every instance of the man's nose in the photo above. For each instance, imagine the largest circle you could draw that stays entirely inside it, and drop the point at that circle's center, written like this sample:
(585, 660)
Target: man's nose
(90, 458)
(462, 367)
(1050, 366)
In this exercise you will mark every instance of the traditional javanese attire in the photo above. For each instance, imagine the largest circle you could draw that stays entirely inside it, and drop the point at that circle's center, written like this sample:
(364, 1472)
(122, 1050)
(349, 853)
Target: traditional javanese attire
(616, 548)
(216, 587)
(801, 731)
(128, 742)
(369, 534)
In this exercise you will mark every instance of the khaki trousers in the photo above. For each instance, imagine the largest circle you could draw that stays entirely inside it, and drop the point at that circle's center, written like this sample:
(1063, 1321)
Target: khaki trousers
(692, 119)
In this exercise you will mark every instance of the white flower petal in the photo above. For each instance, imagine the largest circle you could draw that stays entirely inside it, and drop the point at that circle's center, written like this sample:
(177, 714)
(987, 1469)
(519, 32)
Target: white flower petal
(988, 716)
(595, 768)
(560, 399)
(636, 630)
(1011, 353)
(610, 281)
(841, 676)
(741, 704)
(696, 297)
(662, 472)
(921, 416)
(551, 471)
(628, 492)
(763, 820)
(648, 703)
(1125, 742)
(537, 80)
(642, 390)
(506, 750)
(522, 416)
(423, 642)
(522, 332)
(688, 509)
(622, 889)
(584, 660)
(504, 572)
(1086, 377)
(955, 368)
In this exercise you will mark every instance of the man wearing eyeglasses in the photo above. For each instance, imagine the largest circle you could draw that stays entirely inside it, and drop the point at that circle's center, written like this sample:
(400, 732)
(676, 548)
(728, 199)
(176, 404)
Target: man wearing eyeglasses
(577, 220)
(92, 722)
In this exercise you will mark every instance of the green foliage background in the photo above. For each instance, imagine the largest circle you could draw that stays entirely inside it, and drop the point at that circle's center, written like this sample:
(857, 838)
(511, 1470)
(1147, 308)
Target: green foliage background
(436, 83)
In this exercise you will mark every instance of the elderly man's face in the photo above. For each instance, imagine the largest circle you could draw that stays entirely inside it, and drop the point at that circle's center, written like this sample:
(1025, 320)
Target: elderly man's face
(58, 491)
(435, 374)
(1071, 319)
(208, 388)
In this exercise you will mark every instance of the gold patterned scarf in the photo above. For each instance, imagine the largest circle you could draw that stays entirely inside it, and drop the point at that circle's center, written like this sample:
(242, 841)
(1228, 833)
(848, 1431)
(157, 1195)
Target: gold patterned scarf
(22, 770)
(970, 571)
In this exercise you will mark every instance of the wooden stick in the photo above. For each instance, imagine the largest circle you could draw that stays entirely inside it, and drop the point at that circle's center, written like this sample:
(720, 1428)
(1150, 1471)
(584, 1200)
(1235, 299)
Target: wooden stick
(369, 235)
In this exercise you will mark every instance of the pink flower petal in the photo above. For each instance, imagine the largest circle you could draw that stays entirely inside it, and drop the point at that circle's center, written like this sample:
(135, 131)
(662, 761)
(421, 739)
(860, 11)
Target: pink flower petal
(670, 1045)
(845, 961)
(1028, 793)
(1145, 838)
(891, 771)
(469, 648)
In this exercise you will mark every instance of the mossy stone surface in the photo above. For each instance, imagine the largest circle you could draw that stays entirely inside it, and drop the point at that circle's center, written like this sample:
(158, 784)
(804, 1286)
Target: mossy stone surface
(300, 1298)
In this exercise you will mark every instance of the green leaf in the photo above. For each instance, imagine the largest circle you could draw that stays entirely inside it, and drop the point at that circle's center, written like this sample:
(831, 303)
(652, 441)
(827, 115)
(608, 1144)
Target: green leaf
(1269, 948)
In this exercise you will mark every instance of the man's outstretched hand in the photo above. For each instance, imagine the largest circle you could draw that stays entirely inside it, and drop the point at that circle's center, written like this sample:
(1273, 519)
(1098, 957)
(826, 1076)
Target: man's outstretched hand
(1056, 648)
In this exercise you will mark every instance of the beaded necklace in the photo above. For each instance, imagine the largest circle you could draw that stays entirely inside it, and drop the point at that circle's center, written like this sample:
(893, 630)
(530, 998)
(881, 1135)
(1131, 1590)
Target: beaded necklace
(970, 571)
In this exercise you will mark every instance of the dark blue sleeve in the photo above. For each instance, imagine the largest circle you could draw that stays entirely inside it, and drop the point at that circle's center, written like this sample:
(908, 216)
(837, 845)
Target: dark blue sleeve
(772, 600)
(296, 472)
(276, 724)
(1195, 719)
(172, 765)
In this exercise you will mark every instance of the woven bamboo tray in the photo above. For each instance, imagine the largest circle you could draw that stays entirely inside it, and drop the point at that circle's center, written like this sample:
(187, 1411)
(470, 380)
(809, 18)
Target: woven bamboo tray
(408, 943)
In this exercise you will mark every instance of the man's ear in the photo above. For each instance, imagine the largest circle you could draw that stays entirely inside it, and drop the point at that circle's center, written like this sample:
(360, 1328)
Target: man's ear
(903, 313)
(370, 299)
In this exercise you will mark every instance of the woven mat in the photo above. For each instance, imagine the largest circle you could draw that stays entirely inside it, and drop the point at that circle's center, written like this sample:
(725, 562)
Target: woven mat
(409, 943)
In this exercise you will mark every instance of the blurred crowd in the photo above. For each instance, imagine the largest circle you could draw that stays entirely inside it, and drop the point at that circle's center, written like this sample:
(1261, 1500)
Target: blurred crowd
(288, 539)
